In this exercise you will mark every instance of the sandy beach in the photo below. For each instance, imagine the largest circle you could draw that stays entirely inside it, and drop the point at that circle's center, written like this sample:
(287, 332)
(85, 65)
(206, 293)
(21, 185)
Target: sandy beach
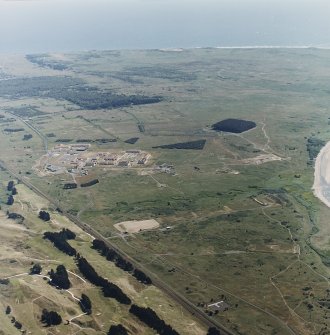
(321, 186)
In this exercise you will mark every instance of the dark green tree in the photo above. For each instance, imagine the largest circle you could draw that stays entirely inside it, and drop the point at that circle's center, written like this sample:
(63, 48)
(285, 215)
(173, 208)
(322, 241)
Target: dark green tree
(10, 200)
(10, 185)
(50, 318)
(35, 269)
(60, 278)
(43, 215)
(117, 330)
(85, 304)
(213, 331)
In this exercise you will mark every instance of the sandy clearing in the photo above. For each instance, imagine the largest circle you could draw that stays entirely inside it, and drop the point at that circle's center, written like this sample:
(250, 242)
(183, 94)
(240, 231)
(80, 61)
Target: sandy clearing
(136, 226)
(261, 159)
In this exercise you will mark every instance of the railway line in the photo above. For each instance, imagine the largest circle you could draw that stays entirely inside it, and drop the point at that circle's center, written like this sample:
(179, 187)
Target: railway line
(185, 303)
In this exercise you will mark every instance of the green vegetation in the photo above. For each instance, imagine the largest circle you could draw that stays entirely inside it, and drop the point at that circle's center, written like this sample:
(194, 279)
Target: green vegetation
(238, 220)
(193, 145)
(72, 90)
(233, 126)
(50, 318)
(314, 145)
(60, 277)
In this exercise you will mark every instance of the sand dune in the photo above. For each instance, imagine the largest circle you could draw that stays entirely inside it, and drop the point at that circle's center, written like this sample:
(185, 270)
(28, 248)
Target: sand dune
(321, 186)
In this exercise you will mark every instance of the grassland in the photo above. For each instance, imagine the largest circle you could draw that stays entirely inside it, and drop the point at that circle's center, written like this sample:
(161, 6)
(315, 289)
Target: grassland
(244, 224)
(22, 245)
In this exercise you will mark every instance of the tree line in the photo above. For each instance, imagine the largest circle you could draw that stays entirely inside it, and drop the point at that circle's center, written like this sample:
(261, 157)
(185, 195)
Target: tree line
(151, 319)
(109, 289)
(60, 240)
(112, 256)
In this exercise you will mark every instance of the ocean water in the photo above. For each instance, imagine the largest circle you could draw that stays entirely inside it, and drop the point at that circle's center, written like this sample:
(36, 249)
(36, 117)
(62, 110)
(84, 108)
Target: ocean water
(28, 26)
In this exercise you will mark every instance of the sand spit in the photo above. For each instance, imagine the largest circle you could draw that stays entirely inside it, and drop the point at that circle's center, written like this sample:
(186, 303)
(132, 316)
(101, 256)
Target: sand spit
(321, 186)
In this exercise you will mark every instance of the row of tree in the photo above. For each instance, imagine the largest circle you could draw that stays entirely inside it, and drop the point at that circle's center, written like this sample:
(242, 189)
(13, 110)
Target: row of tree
(109, 289)
(85, 304)
(11, 188)
(113, 256)
(151, 319)
(60, 240)
(117, 330)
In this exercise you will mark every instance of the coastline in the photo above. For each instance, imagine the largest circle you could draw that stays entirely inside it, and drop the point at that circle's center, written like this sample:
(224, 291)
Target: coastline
(321, 184)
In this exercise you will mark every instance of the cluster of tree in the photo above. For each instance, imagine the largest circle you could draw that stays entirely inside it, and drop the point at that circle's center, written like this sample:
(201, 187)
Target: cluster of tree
(117, 330)
(90, 183)
(15, 216)
(98, 140)
(16, 323)
(213, 331)
(92, 98)
(59, 278)
(69, 186)
(35, 269)
(142, 277)
(85, 304)
(43, 215)
(25, 111)
(113, 256)
(11, 188)
(150, 318)
(50, 318)
(27, 137)
(105, 140)
(10, 185)
(109, 289)
(64, 140)
(234, 125)
(60, 240)
(71, 89)
(45, 61)
(132, 140)
(192, 145)
(13, 130)
(10, 200)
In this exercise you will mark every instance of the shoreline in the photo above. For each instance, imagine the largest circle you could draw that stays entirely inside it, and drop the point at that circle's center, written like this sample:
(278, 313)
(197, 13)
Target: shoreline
(322, 174)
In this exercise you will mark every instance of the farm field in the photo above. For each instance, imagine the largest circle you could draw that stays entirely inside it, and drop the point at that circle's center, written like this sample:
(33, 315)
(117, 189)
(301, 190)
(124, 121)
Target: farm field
(222, 203)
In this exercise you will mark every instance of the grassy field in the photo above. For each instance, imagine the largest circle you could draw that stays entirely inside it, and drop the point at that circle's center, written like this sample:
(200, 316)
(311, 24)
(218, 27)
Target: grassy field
(243, 224)
(22, 245)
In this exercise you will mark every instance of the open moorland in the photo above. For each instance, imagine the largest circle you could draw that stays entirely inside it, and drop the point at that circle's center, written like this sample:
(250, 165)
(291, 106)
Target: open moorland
(229, 139)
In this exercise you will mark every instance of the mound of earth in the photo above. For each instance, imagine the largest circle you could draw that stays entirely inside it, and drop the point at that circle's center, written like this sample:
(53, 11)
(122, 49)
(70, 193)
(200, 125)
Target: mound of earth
(233, 125)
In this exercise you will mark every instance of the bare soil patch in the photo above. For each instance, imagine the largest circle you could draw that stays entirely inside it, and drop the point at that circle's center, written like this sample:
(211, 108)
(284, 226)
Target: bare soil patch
(136, 226)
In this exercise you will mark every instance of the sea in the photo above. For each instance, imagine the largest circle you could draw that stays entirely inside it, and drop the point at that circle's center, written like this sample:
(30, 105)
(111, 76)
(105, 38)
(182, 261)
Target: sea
(35, 26)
